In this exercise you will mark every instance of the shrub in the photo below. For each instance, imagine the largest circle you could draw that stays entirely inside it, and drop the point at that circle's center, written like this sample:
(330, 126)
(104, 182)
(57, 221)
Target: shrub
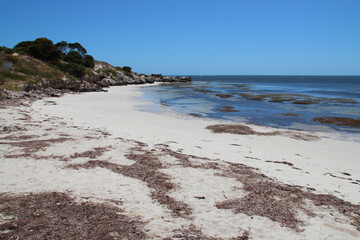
(27, 71)
(89, 72)
(74, 57)
(74, 69)
(21, 52)
(34, 81)
(9, 51)
(109, 71)
(47, 75)
(89, 61)
(14, 76)
(12, 87)
(127, 69)
(23, 47)
(11, 58)
(128, 74)
(44, 49)
(119, 68)
(3, 49)
(41, 48)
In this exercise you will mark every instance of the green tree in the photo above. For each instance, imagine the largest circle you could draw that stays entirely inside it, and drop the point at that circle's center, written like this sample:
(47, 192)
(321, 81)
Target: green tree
(23, 47)
(63, 46)
(44, 49)
(74, 69)
(89, 61)
(77, 47)
(74, 57)
(127, 69)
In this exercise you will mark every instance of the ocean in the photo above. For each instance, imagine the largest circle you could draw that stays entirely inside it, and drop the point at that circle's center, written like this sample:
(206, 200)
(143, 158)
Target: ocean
(290, 102)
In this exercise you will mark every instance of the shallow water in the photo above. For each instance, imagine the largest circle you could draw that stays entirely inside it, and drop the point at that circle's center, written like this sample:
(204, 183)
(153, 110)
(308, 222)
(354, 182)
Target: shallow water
(265, 100)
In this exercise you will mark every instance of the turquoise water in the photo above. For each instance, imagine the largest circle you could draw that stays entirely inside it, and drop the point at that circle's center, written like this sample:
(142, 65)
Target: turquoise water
(278, 101)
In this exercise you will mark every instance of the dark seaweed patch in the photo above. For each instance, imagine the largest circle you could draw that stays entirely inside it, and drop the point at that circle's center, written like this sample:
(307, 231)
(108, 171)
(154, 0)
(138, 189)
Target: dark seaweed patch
(147, 169)
(227, 109)
(58, 216)
(340, 121)
(245, 130)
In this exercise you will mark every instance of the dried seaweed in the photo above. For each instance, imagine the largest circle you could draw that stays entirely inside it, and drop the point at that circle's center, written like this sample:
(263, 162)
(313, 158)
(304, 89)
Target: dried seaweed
(237, 129)
(58, 216)
(245, 130)
(18, 137)
(285, 163)
(29, 148)
(11, 128)
(36, 145)
(279, 202)
(96, 152)
(354, 181)
(192, 233)
(266, 197)
(146, 168)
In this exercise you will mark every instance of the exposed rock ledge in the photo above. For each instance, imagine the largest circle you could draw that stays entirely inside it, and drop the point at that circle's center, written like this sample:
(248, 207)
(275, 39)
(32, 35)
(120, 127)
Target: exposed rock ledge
(103, 75)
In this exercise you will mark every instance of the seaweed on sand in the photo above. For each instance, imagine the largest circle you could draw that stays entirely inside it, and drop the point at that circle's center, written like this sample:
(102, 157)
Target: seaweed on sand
(96, 152)
(279, 202)
(30, 147)
(245, 130)
(147, 169)
(266, 197)
(53, 215)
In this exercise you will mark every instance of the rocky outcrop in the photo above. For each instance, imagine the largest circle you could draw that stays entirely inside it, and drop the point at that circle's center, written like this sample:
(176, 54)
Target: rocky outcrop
(103, 75)
(111, 76)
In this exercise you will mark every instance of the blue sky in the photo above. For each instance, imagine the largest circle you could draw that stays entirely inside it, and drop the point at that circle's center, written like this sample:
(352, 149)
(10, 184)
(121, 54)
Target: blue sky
(227, 37)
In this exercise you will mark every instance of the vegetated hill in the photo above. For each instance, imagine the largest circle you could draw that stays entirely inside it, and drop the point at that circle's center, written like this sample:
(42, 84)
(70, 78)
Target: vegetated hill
(40, 67)
(28, 71)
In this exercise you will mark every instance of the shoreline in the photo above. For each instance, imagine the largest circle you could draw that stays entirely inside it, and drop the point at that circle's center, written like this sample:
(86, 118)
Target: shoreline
(109, 128)
(325, 131)
(257, 102)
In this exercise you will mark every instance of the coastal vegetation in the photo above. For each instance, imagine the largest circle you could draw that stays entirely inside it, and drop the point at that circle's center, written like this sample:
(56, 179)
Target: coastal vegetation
(67, 57)
(41, 60)
(52, 68)
(71, 58)
(27, 70)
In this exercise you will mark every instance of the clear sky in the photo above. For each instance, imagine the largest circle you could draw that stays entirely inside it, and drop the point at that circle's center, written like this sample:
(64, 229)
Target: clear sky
(223, 37)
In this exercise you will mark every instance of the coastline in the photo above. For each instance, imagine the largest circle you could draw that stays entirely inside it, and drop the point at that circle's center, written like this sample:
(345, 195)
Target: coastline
(110, 121)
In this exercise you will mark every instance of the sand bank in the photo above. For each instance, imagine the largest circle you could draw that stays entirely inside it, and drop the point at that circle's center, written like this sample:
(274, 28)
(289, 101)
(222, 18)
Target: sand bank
(176, 177)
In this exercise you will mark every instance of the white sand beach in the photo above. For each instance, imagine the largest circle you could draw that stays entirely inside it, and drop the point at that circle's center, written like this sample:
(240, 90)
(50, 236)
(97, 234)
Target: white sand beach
(92, 146)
